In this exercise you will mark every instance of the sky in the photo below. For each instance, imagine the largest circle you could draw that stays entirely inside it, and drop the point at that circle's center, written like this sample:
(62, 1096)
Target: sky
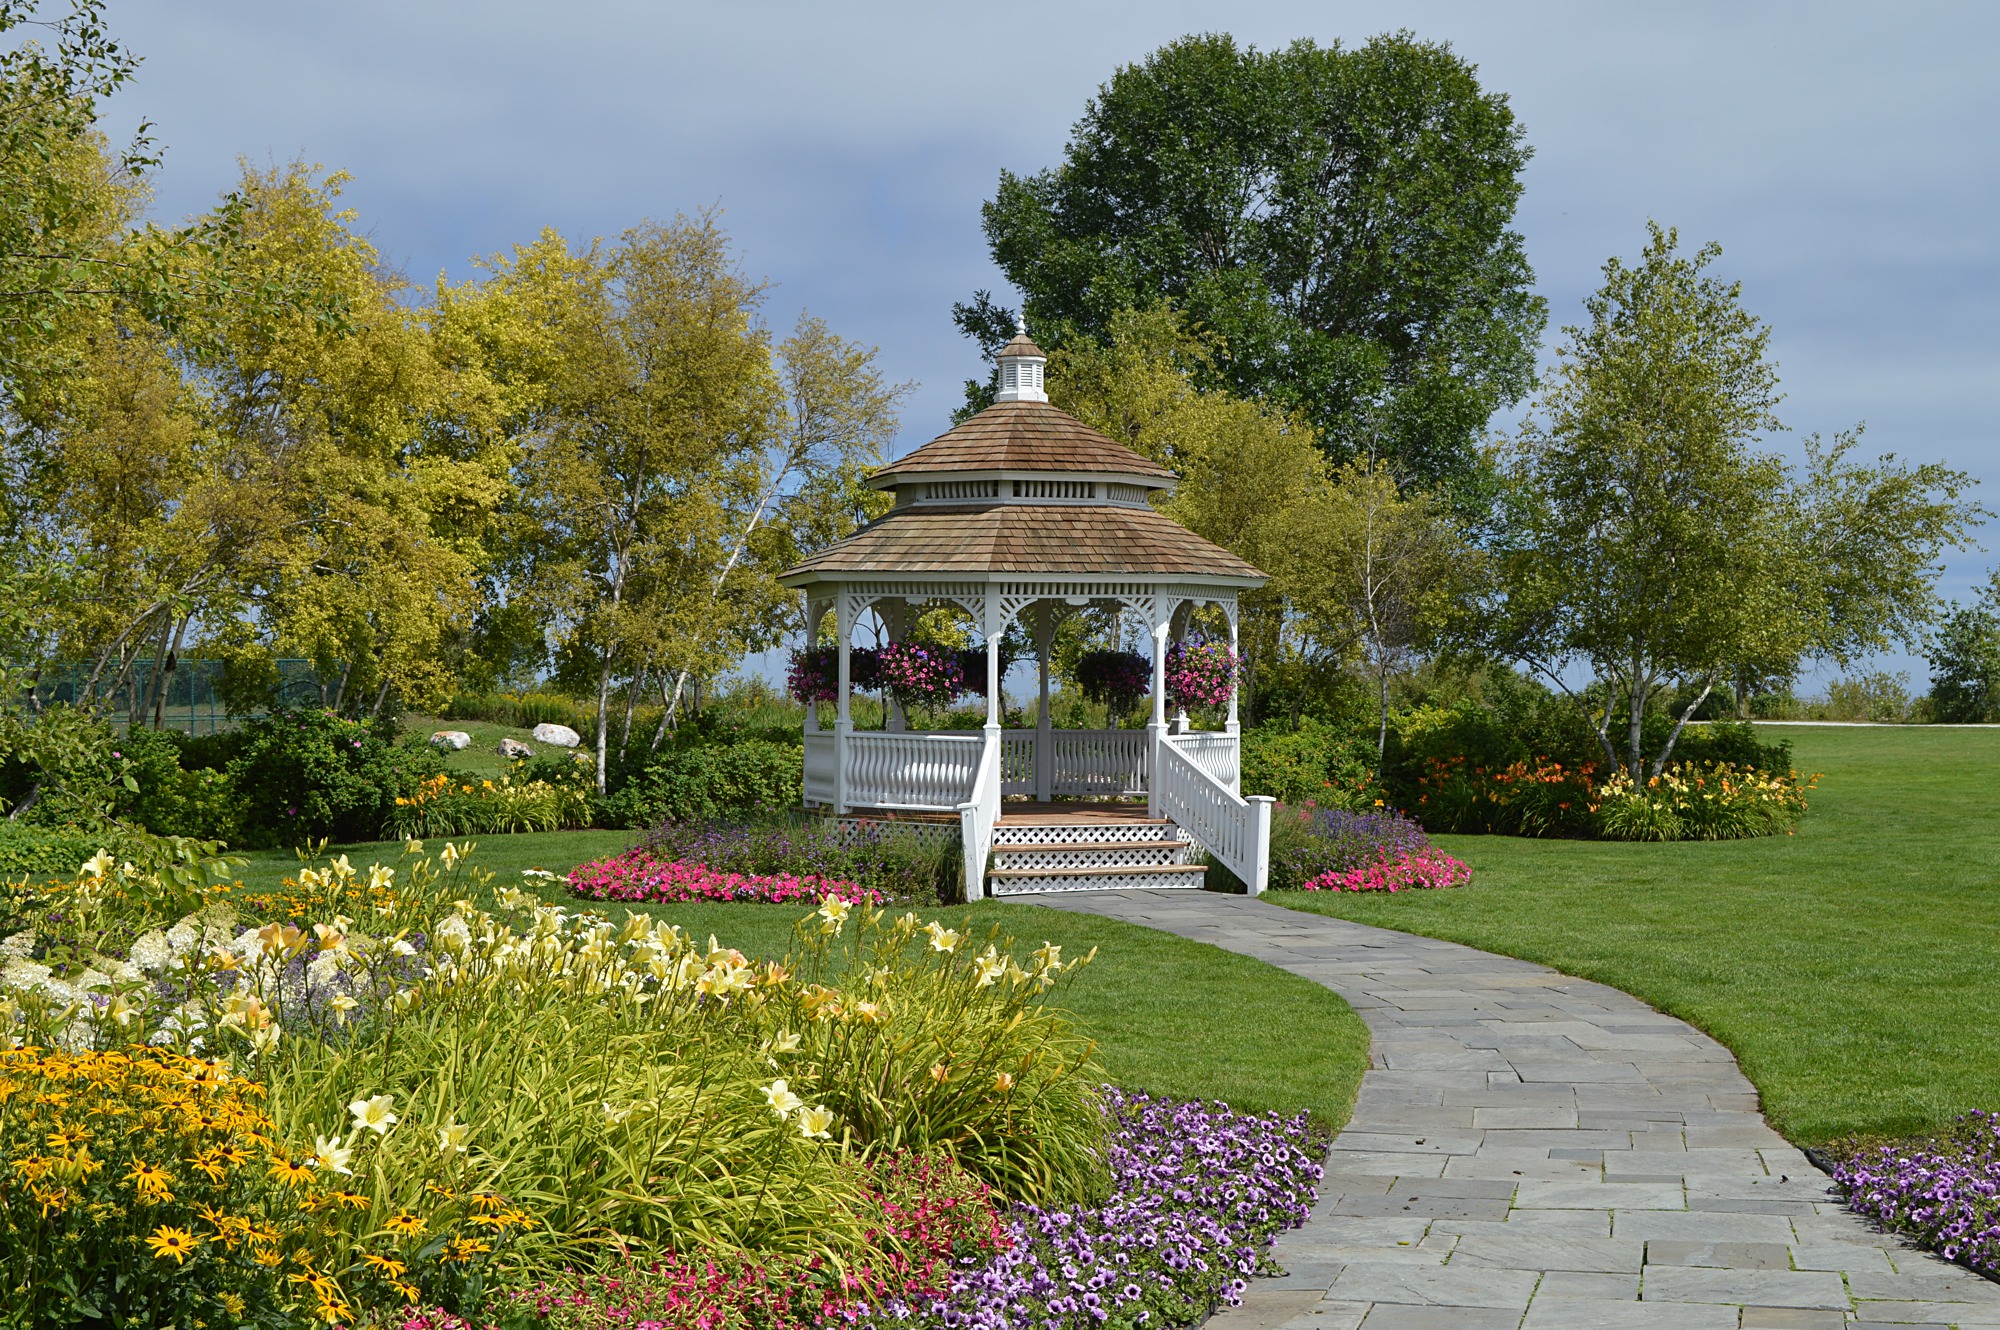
(1842, 154)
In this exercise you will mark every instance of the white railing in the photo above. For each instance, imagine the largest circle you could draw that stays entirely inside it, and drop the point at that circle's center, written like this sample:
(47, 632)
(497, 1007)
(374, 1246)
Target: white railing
(822, 766)
(1216, 753)
(979, 815)
(1017, 763)
(1097, 762)
(933, 771)
(1235, 830)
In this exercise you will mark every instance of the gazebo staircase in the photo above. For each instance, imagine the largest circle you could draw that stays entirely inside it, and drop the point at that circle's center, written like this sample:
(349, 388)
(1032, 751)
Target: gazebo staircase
(1051, 852)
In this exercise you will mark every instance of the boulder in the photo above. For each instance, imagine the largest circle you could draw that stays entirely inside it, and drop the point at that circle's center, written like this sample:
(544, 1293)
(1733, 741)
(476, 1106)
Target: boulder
(557, 736)
(451, 741)
(512, 748)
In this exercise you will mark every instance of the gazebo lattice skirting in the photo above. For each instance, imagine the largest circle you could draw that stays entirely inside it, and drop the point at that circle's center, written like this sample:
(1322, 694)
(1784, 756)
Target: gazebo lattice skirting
(1023, 514)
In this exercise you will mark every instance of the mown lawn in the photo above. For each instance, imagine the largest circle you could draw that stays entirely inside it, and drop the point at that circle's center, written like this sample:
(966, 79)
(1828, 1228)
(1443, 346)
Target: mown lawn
(1854, 968)
(1171, 1016)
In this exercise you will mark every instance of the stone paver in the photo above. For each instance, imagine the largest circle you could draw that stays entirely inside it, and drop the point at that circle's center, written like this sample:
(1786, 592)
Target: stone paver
(1531, 1151)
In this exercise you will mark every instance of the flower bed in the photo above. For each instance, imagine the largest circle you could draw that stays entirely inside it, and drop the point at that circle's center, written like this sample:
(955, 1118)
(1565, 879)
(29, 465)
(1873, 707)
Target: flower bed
(636, 876)
(1426, 868)
(1943, 1192)
(1199, 1192)
(889, 861)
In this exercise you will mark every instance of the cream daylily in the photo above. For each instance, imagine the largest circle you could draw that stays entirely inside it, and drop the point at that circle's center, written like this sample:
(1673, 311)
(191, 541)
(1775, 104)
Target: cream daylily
(814, 1122)
(331, 1155)
(781, 1099)
(374, 1114)
(452, 1138)
(942, 938)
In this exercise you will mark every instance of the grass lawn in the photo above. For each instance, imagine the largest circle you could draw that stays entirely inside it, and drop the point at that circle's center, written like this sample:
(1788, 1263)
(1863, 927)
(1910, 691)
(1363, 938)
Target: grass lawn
(1853, 968)
(1172, 1016)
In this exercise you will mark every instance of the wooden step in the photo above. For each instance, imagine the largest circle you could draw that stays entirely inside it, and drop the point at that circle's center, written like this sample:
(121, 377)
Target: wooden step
(1121, 870)
(1091, 847)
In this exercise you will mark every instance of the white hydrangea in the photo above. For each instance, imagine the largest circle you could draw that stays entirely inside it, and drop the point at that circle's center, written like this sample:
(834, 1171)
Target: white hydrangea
(20, 945)
(185, 937)
(152, 952)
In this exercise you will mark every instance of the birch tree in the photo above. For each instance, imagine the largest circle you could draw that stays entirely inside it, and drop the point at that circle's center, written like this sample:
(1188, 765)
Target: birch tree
(1649, 546)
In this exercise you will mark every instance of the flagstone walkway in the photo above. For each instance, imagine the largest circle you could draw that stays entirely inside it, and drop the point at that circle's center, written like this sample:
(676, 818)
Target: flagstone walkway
(1536, 1152)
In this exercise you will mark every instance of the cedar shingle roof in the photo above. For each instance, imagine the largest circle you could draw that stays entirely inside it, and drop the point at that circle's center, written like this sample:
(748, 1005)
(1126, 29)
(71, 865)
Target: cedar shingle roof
(1021, 346)
(1022, 436)
(1025, 538)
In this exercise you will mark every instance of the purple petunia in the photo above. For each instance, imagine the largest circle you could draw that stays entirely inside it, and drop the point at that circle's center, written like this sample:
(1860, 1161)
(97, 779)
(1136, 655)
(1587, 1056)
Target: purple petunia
(1199, 1192)
(1944, 1192)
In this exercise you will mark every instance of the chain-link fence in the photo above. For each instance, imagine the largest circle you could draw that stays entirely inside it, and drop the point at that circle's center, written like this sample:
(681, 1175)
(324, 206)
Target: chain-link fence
(191, 698)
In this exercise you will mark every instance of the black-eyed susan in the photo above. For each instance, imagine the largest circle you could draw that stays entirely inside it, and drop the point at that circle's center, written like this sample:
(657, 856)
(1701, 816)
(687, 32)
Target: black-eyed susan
(388, 1265)
(351, 1200)
(405, 1224)
(153, 1183)
(487, 1202)
(175, 1243)
(464, 1249)
(291, 1172)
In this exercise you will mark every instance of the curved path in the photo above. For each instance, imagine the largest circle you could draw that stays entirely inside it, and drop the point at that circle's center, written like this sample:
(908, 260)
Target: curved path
(1535, 1152)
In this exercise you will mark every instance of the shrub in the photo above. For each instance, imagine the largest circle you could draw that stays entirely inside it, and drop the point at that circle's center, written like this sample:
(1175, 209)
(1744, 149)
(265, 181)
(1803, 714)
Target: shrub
(708, 781)
(1690, 802)
(311, 774)
(173, 798)
(1541, 798)
(520, 711)
(1314, 763)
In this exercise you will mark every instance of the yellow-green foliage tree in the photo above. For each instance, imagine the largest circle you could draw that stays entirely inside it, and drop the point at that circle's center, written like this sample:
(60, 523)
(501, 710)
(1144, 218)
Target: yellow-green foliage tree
(367, 542)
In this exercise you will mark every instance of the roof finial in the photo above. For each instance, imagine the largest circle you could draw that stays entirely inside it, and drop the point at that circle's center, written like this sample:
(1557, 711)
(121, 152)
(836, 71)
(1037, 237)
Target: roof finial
(1021, 364)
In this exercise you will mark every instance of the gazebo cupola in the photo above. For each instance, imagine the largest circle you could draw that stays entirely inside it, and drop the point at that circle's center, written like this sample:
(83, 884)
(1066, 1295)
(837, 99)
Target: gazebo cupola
(1025, 513)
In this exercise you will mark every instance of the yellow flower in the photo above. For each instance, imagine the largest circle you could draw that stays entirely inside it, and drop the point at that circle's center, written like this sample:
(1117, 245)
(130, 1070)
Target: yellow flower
(1003, 1082)
(175, 1242)
(834, 911)
(814, 1121)
(152, 1182)
(452, 1138)
(464, 1249)
(331, 1155)
(405, 1225)
(291, 1173)
(942, 938)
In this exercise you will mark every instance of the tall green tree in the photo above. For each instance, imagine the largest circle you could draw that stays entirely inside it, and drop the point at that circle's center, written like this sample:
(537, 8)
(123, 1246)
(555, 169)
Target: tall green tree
(1339, 221)
(1650, 547)
(1965, 661)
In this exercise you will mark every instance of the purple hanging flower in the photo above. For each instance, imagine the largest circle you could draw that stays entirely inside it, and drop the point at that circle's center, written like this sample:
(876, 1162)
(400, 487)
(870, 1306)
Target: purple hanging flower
(1118, 679)
(1200, 672)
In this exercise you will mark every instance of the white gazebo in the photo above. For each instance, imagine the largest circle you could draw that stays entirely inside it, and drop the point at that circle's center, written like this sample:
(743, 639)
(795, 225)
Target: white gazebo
(1025, 513)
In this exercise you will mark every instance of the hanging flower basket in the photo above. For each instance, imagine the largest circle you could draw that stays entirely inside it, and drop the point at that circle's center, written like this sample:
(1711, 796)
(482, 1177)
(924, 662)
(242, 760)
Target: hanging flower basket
(814, 674)
(1200, 672)
(921, 676)
(1118, 679)
(972, 666)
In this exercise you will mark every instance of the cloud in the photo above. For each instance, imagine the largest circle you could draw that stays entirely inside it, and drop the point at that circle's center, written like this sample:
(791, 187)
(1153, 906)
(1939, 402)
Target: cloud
(1842, 153)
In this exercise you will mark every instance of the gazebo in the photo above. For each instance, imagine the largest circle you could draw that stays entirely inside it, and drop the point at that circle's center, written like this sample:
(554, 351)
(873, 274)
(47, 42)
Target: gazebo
(1023, 513)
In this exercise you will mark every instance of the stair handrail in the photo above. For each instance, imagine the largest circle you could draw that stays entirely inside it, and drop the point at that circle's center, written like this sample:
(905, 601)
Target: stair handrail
(1235, 830)
(978, 816)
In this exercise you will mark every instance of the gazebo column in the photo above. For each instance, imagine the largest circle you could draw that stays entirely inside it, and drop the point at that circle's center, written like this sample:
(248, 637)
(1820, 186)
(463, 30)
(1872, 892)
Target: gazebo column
(1180, 619)
(843, 719)
(1156, 728)
(994, 631)
(896, 619)
(1231, 724)
(1045, 748)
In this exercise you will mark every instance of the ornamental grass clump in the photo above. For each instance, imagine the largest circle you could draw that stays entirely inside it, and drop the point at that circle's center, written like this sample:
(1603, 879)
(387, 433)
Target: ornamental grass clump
(1943, 1192)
